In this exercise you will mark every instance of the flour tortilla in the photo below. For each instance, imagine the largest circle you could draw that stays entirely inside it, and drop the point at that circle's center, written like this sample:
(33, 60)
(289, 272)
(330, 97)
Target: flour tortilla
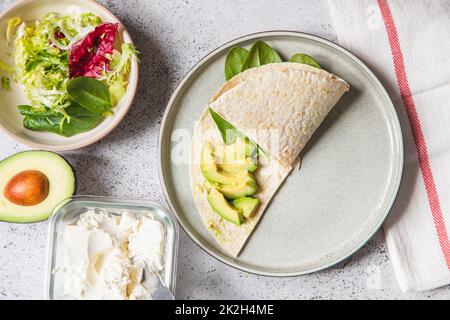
(269, 175)
(286, 103)
(288, 98)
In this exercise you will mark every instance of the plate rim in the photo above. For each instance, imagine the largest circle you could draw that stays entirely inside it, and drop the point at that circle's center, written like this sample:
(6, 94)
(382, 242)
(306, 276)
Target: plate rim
(253, 36)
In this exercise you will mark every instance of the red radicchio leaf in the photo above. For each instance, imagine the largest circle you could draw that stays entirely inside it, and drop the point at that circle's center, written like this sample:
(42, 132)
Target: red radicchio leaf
(88, 55)
(58, 34)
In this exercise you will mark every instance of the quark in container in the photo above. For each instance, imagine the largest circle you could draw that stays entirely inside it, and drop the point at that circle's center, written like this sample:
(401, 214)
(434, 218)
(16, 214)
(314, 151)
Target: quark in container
(112, 256)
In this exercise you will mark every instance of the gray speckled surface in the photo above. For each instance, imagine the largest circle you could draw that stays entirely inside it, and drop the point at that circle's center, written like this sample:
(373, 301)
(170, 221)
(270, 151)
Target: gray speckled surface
(173, 36)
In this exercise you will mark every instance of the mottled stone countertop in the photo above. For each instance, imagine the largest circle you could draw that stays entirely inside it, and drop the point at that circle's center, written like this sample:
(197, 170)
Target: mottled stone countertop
(172, 36)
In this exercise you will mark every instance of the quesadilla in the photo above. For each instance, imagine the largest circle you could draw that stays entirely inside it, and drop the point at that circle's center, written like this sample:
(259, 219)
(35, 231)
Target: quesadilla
(275, 109)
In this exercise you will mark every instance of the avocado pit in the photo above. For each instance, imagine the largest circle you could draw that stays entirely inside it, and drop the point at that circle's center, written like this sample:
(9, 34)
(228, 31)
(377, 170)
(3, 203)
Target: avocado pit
(27, 188)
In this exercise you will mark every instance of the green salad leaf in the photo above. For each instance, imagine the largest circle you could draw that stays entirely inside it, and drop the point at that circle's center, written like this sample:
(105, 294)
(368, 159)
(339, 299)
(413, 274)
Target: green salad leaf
(6, 83)
(240, 59)
(27, 110)
(49, 124)
(48, 60)
(42, 68)
(74, 27)
(229, 132)
(90, 93)
(260, 54)
(80, 120)
(5, 79)
(11, 29)
(234, 61)
(117, 76)
(304, 59)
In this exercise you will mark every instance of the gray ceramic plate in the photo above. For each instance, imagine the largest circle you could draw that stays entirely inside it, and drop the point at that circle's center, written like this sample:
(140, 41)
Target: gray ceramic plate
(349, 176)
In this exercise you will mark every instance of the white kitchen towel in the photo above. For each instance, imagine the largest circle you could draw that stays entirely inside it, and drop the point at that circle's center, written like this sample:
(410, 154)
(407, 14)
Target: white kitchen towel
(407, 44)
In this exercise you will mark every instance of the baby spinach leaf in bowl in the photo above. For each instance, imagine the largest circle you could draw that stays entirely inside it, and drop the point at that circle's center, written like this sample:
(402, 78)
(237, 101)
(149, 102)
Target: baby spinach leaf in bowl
(45, 120)
(27, 110)
(90, 94)
(78, 120)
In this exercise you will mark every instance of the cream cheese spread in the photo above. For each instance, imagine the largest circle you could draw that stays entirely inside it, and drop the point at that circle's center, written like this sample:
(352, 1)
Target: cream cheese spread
(111, 256)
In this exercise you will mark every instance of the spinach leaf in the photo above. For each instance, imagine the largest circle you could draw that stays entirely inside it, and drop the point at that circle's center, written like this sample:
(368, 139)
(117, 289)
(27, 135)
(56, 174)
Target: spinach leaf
(91, 94)
(48, 124)
(239, 59)
(227, 130)
(304, 59)
(27, 110)
(234, 61)
(46, 120)
(260, 54)
(79, 120)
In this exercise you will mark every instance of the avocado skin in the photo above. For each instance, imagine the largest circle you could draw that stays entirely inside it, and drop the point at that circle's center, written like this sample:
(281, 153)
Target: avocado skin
(248, 205)
(36, 159)
(220, 205)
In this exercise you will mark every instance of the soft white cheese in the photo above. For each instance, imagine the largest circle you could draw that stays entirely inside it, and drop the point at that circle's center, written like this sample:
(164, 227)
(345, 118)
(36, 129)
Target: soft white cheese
(105, 256)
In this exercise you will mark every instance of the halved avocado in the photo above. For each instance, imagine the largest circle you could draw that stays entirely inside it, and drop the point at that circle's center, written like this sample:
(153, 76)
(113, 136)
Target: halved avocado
(237, 191)
(211, 173)
(248, 205)
(32, 184)
(220, 205)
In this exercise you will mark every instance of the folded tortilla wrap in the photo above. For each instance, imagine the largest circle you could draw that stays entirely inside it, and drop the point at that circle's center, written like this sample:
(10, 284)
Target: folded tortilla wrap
(278, 106)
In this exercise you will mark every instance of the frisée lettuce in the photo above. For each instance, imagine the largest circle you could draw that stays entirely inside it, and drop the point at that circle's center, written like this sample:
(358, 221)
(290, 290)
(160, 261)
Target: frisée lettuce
(119, 68)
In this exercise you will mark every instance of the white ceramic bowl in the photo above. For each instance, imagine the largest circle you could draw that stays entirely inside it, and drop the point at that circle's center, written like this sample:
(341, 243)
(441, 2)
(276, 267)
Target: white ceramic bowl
(11, 120)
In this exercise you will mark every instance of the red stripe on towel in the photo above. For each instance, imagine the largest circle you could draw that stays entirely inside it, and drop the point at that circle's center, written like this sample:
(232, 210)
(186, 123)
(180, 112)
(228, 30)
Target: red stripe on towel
(416, 129)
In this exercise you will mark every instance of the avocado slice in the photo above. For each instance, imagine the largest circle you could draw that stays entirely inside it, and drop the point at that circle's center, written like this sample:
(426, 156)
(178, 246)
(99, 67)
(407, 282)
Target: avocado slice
(248, 205)
(211, 173)
(220, 205)
(32, 184)
(238, 166)
(237, 151)
(237, 191)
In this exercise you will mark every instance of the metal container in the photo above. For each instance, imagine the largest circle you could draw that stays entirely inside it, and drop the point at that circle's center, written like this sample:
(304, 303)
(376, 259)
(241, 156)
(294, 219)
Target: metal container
(69, 211)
